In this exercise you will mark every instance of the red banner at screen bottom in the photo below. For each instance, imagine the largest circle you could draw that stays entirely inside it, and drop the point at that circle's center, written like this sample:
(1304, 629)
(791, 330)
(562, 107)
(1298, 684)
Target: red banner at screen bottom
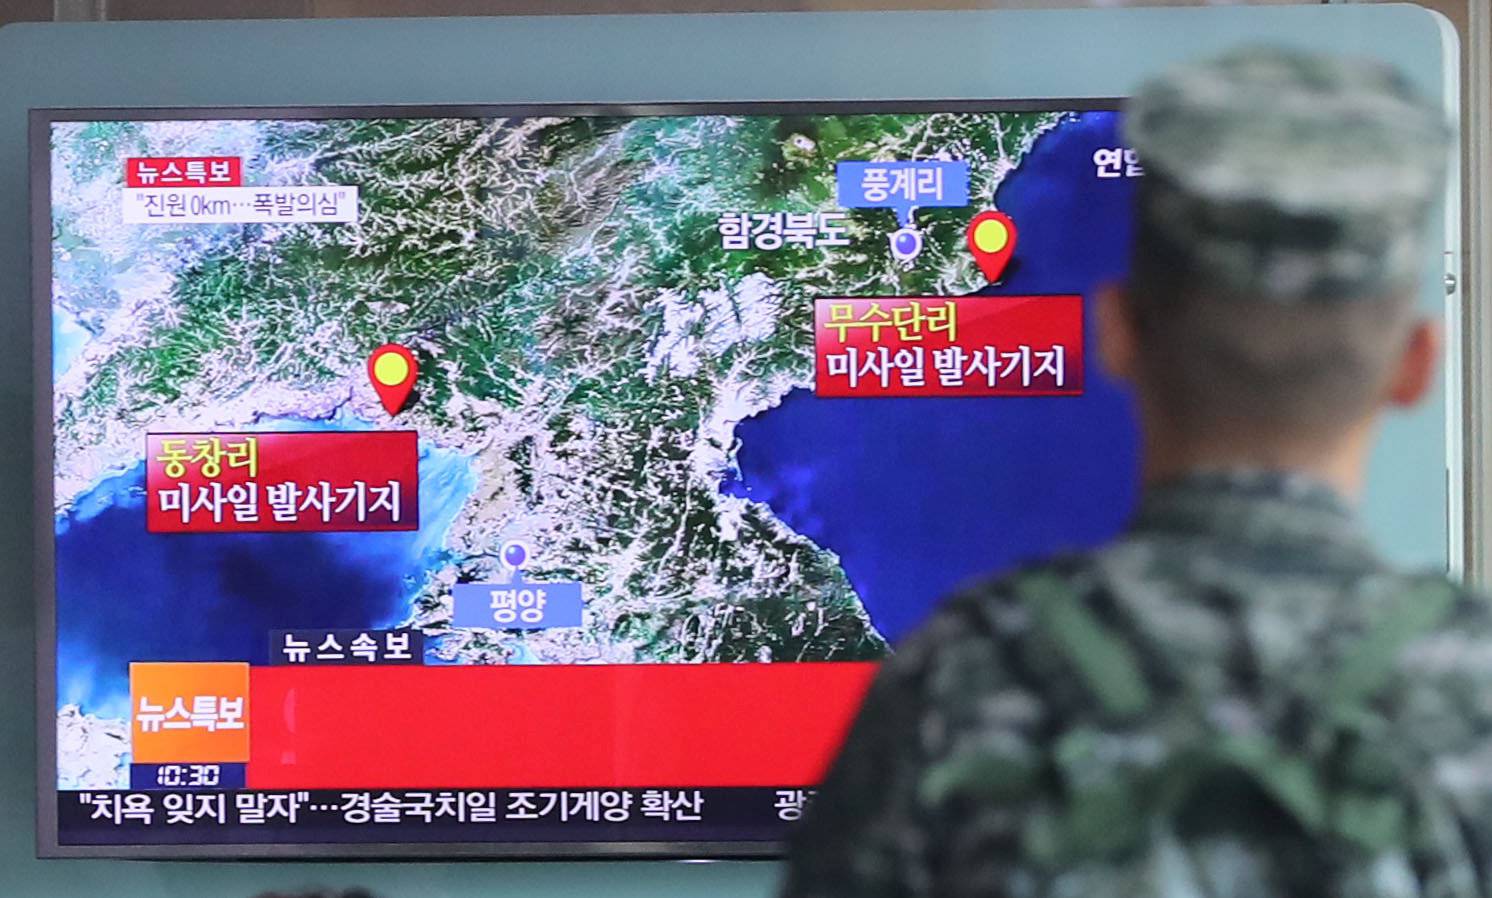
(581, 726)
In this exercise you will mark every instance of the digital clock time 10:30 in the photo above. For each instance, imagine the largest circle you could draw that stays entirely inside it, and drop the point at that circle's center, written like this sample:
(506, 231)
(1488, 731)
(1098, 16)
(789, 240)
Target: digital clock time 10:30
(187, 776)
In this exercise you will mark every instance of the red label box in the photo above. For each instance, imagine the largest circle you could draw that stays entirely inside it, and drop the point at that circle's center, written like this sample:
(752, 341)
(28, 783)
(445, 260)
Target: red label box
(948, 346)
(266, 482)
(183, 171)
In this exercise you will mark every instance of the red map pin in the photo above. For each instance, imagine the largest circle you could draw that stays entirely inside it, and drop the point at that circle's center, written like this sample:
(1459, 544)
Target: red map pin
(992, 240)
(392, 370)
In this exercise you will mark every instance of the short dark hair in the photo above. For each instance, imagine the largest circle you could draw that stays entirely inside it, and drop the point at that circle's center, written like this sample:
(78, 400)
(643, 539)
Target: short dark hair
(1217, 362)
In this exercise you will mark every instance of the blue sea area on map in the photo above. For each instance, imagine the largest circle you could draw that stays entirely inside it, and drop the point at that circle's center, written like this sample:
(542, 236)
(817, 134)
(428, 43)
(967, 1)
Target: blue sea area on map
(918, 496)
(133, 596)
(69, 339)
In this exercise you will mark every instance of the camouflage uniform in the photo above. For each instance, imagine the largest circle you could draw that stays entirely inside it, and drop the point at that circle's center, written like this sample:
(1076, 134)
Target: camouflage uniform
(1236, 699)
(1288, 177)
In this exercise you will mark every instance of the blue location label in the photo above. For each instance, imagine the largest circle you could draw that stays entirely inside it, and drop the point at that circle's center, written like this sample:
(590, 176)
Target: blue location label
(518, 605)
(902, 186)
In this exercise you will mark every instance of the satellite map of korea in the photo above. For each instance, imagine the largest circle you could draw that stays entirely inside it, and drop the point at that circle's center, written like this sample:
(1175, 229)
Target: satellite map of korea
(599, 335)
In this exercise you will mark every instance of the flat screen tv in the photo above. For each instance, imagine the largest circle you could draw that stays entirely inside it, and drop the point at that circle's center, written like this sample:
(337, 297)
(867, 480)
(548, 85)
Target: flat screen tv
(540, 481)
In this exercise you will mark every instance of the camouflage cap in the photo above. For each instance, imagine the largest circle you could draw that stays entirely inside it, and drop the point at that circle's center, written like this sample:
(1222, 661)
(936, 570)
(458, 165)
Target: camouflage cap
(1287, 177)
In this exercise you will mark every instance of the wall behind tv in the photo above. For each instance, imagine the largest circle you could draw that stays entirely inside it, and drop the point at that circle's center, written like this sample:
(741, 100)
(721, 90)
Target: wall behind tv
(636, 58)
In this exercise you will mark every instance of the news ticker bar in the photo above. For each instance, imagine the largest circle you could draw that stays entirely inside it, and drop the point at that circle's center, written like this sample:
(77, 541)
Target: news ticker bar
(128, 817)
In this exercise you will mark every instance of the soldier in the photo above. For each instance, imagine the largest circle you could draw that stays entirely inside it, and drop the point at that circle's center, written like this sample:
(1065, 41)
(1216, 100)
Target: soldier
(1237, 697)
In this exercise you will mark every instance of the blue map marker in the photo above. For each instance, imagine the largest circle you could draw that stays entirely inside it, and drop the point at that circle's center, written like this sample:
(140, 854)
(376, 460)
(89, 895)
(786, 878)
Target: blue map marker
(517, 604)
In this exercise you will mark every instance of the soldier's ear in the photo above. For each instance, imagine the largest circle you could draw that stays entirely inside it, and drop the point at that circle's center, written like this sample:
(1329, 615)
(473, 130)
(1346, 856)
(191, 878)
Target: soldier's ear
(1414, 374)
(1116, 339)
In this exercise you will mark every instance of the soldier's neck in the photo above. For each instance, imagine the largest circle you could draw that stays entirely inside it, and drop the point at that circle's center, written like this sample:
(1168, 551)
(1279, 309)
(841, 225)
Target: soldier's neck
(1340, 464)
